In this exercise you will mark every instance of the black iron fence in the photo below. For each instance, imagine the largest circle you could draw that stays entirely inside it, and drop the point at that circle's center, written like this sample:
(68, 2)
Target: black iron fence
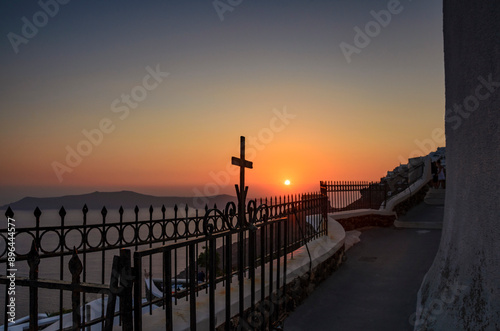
(351, 195)
(270, 233)
(96, 241)
(78, 318)
(253, 266)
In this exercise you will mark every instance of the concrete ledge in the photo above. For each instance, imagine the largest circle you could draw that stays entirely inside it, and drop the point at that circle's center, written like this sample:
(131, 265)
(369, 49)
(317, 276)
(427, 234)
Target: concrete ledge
(320, 249)
(360, 212)
(355, 219)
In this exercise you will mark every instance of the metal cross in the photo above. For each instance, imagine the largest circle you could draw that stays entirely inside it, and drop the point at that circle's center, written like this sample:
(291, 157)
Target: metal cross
(242, 190)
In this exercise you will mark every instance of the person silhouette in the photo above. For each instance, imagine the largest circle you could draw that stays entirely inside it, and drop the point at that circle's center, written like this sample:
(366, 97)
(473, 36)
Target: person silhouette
(434, 171)
(441, 174)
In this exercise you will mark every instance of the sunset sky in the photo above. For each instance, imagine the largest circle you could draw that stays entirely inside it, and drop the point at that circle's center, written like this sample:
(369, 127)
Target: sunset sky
(153, 96)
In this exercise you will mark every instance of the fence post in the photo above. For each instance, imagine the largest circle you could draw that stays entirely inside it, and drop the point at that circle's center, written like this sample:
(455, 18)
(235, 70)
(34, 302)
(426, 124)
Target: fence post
(229, 270)
(136, 237)
(212, 278)
(85, 210)
(325, 205)
(33, 262)
(113, 291)
(126, 282)
(62, 243)
(120, 212)
(192, 285)
(322, 188)
(371, 190)
(75, 267)
(167, 288)
(138, 292)
(37, 214)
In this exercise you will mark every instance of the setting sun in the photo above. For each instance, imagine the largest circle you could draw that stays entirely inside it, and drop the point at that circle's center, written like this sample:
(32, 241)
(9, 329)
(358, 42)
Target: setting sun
(287, 182)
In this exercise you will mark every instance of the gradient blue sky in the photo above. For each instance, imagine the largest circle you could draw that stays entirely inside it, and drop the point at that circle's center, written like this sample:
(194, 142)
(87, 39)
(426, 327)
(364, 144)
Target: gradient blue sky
(226, 78)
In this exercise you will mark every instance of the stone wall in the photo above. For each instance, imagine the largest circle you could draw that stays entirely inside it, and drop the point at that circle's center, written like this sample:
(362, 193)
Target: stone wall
(358, 222)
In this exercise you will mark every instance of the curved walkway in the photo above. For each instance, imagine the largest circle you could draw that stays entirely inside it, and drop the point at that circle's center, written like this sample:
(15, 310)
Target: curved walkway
(376, 288)
(422, 216)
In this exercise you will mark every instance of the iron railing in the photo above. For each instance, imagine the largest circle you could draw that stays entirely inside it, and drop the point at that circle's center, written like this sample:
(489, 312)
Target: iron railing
(352, 195)
(79, 318)
(273, 230)
(300, 218)
(96, 241)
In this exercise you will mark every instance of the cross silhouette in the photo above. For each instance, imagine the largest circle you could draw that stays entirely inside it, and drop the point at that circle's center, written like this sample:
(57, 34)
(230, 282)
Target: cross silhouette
(242, 190)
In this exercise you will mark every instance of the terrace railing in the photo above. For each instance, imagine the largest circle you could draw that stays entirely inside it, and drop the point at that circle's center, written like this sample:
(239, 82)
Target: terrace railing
(95, 241)
(254, 250)
(351, 195)
(90, 245)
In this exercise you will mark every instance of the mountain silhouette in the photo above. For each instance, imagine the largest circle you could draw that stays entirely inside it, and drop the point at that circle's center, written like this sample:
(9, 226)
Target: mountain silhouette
(115, 200)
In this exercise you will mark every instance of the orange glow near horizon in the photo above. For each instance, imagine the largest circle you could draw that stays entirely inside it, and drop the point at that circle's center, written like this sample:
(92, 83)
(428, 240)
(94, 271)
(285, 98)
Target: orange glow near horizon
(148, 170)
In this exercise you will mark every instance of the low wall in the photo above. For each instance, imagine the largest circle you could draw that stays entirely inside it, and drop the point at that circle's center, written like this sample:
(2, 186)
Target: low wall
(412, 189)
(355, 219)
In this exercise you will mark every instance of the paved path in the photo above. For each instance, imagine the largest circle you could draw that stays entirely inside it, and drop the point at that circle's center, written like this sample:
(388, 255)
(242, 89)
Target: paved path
(376, 288)
(422, 216)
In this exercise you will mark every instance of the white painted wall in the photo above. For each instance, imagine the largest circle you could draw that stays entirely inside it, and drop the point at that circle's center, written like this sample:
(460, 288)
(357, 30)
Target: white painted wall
(461, 291)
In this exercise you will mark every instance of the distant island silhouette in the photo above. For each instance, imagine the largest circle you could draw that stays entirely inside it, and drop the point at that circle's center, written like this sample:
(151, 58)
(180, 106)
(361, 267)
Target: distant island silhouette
(115, 200)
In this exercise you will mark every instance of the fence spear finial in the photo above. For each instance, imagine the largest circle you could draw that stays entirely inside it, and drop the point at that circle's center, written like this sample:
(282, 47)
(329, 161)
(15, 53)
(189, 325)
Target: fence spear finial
(75, 266)
(33, 258)
(37, 212)
(9, 213)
